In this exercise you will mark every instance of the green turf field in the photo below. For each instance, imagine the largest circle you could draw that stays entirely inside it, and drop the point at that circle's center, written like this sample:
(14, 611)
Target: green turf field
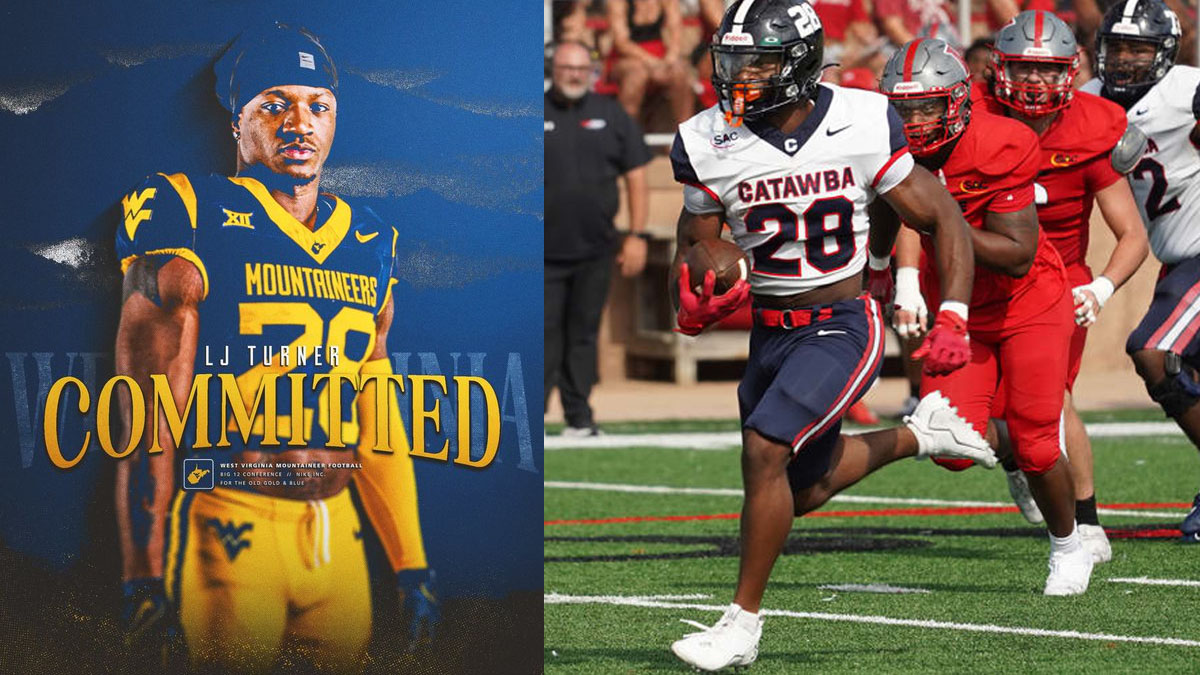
(615, 591)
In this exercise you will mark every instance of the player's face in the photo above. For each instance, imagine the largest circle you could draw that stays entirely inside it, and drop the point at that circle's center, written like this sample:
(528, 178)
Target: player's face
(924, 120)
(748, 67)
(1128, 61)
(288, 129)
(920, 110)
(1040, 78)
(572, 71)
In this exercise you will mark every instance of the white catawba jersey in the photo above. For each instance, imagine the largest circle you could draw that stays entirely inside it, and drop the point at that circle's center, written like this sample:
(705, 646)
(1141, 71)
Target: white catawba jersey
(796, 202)
(1166, 181)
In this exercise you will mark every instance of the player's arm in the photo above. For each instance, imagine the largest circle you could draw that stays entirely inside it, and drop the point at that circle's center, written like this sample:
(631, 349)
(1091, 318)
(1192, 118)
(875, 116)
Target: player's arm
(386, 481)
(157, 335)
(1008, 241)
(690, 229)
(697, 310)
(922, 202)
(911, 316)
(388, 489)
(1121, 213)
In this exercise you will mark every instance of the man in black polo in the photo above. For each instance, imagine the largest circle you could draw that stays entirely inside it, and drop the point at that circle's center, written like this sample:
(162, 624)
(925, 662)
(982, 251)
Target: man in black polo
(590, 141)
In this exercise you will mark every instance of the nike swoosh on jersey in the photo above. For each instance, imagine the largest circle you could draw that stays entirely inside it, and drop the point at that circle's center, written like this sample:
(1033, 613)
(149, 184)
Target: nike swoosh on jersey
(833, 132)
(362, 240)
(831, 332)
(1143, 111)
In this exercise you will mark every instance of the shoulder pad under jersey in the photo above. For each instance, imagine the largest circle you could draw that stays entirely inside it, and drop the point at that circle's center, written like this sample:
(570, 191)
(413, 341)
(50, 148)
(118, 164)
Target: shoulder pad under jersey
(1128, 150)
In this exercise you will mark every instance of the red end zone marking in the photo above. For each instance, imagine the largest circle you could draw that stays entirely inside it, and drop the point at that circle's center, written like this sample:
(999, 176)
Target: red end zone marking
(1144, 534)
(917, 511)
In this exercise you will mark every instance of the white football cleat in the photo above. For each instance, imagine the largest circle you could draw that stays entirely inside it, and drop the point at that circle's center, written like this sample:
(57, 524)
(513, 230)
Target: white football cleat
(731, 641)
(941, 432)
(1096, 542)
(1069, 572)
(1018, 487)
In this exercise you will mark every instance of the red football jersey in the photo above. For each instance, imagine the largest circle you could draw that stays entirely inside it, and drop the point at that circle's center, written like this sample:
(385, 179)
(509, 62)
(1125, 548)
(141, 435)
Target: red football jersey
(1075, 165)
(992, 169)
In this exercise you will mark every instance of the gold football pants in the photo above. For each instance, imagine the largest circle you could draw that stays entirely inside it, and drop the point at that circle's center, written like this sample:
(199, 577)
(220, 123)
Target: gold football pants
(254, 577)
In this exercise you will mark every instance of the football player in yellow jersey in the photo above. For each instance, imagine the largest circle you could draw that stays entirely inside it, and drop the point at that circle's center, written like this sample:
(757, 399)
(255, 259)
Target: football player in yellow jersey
(269, 559)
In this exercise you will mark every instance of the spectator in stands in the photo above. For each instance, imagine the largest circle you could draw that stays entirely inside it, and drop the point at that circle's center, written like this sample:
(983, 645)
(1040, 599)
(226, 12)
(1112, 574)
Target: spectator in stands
(710, 13)
(647, 54)
(569, 21)
(848, 30)
(946, 32)
(590, 142)
(901, 20)
(978, 57)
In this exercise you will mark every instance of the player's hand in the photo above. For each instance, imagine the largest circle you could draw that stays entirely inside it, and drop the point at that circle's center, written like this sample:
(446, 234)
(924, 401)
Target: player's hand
(145, 609)
(911, 318)
(1090, 298)
(419, 605)
(632, 256)
(697, 312)
(152, 635)
(947, 348)
(881, 286)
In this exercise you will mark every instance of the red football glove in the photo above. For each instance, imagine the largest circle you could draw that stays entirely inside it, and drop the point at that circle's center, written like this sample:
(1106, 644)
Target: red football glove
(881, 286)
(946, 348)
(697, 312)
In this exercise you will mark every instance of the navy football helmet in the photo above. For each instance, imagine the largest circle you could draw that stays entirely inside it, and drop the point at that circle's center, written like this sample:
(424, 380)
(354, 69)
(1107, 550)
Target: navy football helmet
(766, 54)
(1124, 60)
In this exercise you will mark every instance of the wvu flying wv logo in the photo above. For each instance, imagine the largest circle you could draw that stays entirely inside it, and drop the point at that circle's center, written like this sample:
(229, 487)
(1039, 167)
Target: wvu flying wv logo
(198, 474)
(132, 204)
(231, 535)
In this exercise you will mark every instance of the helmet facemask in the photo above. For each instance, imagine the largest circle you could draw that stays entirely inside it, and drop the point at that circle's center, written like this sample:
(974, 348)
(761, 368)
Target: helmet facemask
(1050, 89)
(751, 82)
(932, 119)
(1129, 66)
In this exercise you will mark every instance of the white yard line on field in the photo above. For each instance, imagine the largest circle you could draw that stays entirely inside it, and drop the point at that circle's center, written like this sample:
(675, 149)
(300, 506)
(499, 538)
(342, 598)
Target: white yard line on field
(872, 588)
(560, 599)
(722, 440)
(1155, 582)
(847, 499)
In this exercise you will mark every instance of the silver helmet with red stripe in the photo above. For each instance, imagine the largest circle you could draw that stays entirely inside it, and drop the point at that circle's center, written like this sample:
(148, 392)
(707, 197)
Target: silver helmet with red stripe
(1035, 60)
(766, 54)
(928, 85)
(1135, 47)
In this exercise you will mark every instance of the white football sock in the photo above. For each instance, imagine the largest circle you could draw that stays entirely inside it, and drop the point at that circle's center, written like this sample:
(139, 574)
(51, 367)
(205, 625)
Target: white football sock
(1067, 544)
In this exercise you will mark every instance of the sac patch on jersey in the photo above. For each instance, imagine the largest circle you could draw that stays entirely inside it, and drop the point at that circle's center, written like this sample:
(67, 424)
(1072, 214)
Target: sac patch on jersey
(797, 202)
(270, 285)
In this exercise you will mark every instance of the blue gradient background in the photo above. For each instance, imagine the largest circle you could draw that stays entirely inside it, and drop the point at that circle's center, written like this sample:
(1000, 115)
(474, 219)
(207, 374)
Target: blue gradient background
(438, 108)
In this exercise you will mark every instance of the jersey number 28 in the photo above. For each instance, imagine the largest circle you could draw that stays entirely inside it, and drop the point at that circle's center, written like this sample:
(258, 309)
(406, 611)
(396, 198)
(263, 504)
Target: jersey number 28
(838, 211)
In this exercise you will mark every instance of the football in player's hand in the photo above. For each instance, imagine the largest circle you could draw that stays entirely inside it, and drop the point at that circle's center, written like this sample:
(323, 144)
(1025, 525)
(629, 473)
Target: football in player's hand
(723, 257)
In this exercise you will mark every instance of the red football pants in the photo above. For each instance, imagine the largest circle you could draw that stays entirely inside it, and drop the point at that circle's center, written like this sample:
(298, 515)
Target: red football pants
(1025, 366)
